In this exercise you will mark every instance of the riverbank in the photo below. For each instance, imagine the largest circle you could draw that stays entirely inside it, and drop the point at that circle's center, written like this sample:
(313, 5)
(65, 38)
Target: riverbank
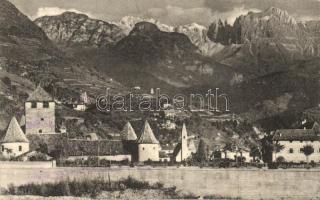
(244, 183)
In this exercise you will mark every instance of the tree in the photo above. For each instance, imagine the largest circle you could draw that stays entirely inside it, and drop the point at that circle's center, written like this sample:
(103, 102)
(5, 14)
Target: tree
(277, 147)
(201, 155)
(307, 151)
(43, 148)
(6, 80)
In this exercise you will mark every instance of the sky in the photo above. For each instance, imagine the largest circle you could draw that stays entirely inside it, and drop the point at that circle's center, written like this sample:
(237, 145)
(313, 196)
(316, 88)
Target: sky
(172, 12)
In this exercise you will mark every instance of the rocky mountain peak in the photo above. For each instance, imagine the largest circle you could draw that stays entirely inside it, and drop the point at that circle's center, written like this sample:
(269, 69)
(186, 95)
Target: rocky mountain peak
(144, 28)
(71, 28)
(281, 15)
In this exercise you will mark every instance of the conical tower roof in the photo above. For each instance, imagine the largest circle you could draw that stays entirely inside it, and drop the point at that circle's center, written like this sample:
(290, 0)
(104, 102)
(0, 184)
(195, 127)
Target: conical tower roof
(14, 133)
(40, 95)
(147, 136)
(128, 133)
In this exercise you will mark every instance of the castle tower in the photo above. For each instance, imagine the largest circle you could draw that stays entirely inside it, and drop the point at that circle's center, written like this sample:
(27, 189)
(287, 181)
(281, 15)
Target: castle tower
(14, 143)
(129, 139)
(40, 113)
(148, 145)
(183, 152)
(128, 133)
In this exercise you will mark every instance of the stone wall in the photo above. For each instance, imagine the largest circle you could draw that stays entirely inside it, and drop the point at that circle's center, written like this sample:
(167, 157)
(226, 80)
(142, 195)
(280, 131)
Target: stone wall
(18, 164)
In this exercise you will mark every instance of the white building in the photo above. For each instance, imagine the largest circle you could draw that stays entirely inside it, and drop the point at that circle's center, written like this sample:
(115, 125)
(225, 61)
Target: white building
(80, 107)
(244, 154)
(293, 141)
(185, 148)
(14, 143)
(183, 153)
(148, 145)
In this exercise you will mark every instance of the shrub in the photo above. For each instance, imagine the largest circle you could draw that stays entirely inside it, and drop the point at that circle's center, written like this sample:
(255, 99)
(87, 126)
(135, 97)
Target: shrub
(38, 157)
(273, 165)
(84, 187)
(158, 185)
(280, 159)
(135, 184)
(188, 195)
(217, 197)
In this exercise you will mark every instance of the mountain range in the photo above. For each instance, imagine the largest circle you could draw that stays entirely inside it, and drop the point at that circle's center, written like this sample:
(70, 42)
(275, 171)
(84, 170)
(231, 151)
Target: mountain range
(266, 62)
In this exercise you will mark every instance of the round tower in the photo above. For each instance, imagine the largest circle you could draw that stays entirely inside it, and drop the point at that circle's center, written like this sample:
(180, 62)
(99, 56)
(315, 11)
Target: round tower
(148, 145)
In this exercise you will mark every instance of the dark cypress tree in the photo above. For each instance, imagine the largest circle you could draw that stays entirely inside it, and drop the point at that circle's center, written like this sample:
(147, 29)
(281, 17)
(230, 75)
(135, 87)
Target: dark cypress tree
(201, 155)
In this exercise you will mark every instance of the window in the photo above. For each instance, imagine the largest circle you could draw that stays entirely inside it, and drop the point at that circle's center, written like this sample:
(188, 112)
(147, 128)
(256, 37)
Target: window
(154, 148)
(42, 119)
(20, 148)
(46, 104)
(142, 148)
(33, 104)
(301, 150)
(290, 150)
(2, 148)
(40, 131)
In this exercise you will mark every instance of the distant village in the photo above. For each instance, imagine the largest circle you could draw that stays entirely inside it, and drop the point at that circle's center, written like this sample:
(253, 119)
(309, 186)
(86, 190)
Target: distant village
(35, 138)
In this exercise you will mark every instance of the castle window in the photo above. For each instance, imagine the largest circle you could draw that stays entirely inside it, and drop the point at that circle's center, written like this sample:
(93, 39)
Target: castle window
(2, 148)
(20, 148)
(40, 131)
(290, 150)
(142, 148)
(33, 104)
(42, 119)
(46, 104)
(301, 150)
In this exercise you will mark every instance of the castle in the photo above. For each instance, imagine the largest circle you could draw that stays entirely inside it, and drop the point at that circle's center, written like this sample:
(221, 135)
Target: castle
(39, 121)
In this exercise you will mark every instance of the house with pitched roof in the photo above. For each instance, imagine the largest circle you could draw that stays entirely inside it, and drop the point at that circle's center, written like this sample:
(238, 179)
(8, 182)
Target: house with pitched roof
(293, 141)
(14, 142)
(148, 145)
(40, 113)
